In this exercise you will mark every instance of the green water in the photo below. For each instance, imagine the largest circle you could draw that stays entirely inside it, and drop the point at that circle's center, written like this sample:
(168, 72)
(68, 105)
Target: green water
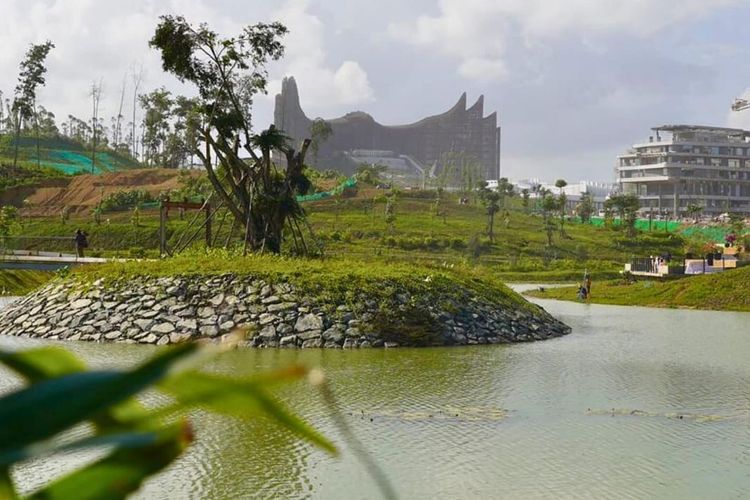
(635, 403)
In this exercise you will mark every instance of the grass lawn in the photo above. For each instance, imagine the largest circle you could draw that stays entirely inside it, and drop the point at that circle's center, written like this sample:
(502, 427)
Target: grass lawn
(727, 291)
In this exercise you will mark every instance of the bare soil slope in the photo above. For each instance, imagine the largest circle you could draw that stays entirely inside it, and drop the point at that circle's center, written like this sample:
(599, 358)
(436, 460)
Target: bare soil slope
(83, 192)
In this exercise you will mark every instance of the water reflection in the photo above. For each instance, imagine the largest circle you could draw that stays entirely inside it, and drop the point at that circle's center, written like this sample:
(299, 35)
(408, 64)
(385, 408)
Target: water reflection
(536, 420)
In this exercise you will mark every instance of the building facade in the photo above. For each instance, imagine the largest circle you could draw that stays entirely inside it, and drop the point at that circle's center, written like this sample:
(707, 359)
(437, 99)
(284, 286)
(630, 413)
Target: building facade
(598, 191)
(426, 143)
(684, 165)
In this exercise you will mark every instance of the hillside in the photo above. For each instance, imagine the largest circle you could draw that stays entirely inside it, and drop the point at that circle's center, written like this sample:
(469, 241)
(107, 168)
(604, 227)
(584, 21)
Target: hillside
(63, 155)
(724, 291)
(83, 192)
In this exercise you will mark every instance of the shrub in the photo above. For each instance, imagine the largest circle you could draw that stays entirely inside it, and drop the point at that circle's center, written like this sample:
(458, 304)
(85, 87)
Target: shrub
(125, 199)
(137, 253)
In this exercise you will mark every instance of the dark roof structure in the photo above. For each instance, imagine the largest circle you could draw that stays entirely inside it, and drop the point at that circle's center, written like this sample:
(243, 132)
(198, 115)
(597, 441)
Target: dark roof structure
(427, 142)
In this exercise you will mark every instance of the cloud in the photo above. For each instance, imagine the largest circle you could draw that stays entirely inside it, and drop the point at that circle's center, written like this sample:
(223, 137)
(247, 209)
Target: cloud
(322, 87)
(481, 33)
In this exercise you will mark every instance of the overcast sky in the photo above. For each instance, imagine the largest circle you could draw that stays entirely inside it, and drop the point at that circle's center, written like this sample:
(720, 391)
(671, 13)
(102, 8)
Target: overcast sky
(575, 82)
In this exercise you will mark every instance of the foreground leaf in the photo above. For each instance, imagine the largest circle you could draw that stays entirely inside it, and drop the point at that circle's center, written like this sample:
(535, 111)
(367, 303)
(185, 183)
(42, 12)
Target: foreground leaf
(122, 472)
(237, 398)
(42, 363)
(60, 403)
(36, 365)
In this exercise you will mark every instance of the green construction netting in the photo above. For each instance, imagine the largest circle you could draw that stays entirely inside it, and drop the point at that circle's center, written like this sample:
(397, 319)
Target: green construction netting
(350, 183)
(72, 162)
(643, 224)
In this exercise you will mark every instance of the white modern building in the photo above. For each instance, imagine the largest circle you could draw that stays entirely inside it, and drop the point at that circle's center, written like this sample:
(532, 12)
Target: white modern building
(684, 165)
(599, 191)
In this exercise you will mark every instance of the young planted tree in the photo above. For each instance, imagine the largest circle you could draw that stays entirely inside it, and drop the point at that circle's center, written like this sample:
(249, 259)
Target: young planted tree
(562, 202)
(438, 206)
(136, 77)
(626, 205)
(694, 211)
(390, 213)
(228, 73)
(549, 205)
(30, 77)
(96, 96)
(525, 195)
(320, 132)
(491, 200)
(585, 208)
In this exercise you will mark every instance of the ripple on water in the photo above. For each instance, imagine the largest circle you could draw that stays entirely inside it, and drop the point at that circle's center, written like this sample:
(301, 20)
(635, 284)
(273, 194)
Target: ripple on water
(532, 422)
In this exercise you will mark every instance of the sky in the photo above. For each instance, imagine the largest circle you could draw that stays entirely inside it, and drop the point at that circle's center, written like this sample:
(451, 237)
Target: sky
(574, 82)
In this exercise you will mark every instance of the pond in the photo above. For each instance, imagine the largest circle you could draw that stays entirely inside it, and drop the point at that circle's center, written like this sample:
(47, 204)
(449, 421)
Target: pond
(634, 403)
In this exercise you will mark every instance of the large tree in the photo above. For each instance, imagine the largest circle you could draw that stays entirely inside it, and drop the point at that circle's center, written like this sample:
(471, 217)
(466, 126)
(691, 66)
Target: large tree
(31, 76)
(228, 73)
(320, 132)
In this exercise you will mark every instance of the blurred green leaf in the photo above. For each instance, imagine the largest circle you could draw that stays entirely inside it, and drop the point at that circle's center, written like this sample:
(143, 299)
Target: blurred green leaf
(120, 440)
(123, 471)
(42, 363)
(238, 398)
(60, 403)
(7, 492)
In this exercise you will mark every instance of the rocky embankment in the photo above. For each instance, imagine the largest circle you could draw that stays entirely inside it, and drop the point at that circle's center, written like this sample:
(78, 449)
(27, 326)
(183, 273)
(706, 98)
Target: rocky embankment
(169, 310)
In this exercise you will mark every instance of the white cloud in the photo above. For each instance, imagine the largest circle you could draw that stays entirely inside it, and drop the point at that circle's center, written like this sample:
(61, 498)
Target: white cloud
(481, 32)
(321, 87)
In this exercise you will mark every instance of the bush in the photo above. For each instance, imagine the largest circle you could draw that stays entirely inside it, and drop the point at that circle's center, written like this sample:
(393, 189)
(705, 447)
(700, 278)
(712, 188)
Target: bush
(137, 253)
(126, 199)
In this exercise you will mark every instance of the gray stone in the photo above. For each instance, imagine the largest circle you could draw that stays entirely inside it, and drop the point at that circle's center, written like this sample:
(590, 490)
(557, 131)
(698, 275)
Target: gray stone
(312, 344)
(227, 325)
(267, 333)
(267, 319)
(350, 343)
(149, 339)
(205, 312)
(288, 340)
(187, 324)
(113, 335)
(80, 303)
(178, 338)
(209, 330)
(163, 328)
(314, 334)
(353, 332)
(308, 322)
(143, 324)
(283, 306)
(217, 299)
(390, 345)
(164, 340)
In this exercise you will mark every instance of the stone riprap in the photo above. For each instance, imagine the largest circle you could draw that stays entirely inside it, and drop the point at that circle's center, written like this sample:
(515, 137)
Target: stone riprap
(168, 310)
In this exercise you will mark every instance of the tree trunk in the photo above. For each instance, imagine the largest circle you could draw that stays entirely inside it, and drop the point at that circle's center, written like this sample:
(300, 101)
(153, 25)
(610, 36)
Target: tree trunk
(18, 137)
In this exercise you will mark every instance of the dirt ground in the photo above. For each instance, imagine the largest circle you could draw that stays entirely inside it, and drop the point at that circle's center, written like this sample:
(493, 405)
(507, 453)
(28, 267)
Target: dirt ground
(83, 192)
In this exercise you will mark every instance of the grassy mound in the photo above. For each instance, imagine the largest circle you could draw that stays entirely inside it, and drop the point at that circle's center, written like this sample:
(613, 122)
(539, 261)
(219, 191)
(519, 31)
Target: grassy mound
(334, 281)
(726, 291)
(21, 282)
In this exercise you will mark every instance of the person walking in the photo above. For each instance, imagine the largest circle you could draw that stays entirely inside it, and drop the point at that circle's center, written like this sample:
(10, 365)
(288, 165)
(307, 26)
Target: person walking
(81, 242)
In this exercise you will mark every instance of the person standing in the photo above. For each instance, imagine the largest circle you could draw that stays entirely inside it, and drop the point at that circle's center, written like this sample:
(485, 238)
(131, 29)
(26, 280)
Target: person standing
(587, 284)
(81, 242)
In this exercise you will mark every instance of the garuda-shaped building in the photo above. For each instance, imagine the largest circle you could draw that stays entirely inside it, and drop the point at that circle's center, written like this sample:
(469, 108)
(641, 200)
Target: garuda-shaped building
(426, 144)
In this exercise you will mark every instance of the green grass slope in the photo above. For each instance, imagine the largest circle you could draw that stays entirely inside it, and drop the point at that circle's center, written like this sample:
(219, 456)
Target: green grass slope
(21, 282)
(727, 291)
